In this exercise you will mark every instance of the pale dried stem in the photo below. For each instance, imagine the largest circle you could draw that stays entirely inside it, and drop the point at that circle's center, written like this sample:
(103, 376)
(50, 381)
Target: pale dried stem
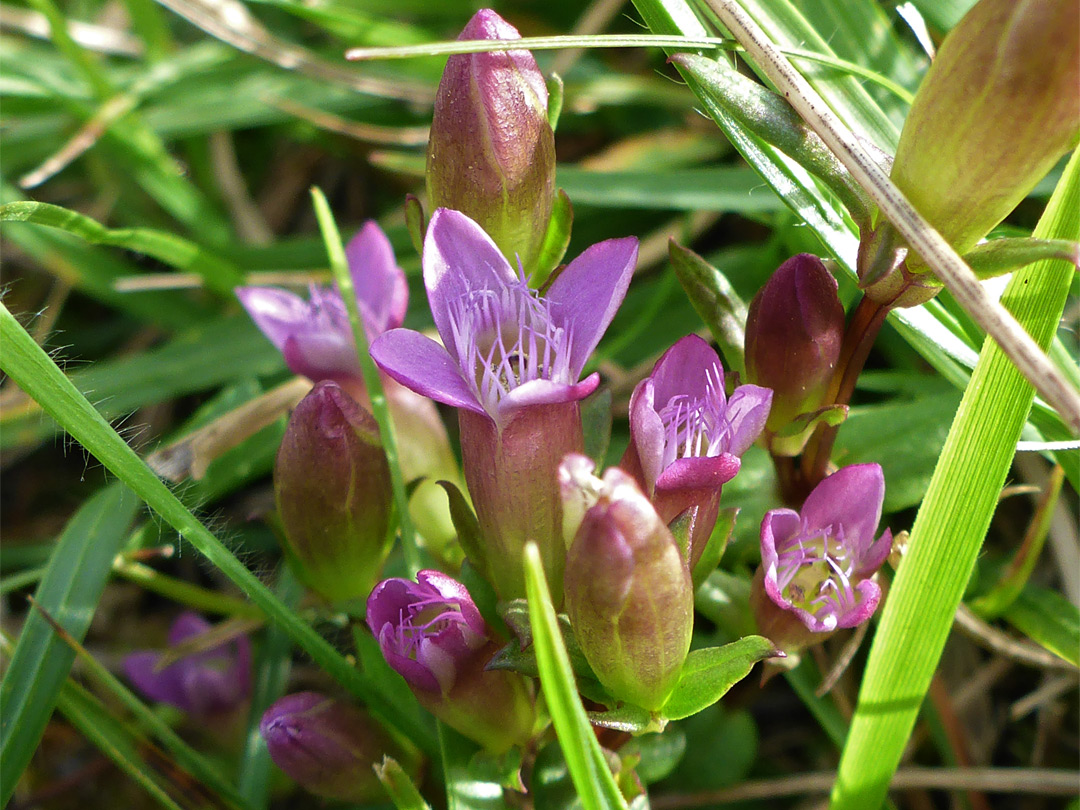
(1031, 361)
(595, 19)
(990, 638)
(247, 217)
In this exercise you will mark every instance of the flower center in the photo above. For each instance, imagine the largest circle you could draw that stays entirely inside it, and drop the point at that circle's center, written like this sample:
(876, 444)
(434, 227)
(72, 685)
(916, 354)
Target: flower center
(814, 574)
(696, 427)
(505, 338)
(427, 618)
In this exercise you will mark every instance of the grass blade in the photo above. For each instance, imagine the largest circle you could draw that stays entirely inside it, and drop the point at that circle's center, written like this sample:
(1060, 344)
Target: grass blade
(70, 591)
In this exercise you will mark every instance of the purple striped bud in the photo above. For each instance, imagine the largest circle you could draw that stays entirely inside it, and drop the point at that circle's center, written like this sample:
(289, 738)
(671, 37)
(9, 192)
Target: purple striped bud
(628, 589)
(794, 329)
(491, 152)
(510, 362)
(332, 486)
(209, 685)
(686, 434)
(817, 564)
(327, 746)
(431, 633)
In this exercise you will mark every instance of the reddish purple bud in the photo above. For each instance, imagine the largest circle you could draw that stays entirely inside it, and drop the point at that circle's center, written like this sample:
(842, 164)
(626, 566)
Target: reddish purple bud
(208, 685)
(628, 589)
(511, 362)
(327, 746)
(686, 435)
(332, 486)
(794, 329)
(491, 152)
(431, 633)
(817, 564)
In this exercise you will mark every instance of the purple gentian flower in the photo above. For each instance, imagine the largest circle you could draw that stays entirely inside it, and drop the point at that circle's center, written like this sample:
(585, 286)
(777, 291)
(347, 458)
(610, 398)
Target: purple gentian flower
(207, 685)
(511, 363)
(687, 435)
(431, 633)
(314, 335)
(817, 563)
(328, 746)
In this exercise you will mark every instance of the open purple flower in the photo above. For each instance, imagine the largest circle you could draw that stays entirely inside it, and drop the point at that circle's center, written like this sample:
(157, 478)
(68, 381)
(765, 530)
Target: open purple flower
(314, 335)
(816, 564)
(431, 633)
(207, 685)
(687, 435)
(511, 363)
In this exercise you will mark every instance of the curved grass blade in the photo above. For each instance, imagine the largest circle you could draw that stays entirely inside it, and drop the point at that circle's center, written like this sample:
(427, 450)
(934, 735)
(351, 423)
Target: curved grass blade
(951, 525)
(70, 590)
(588, 768)
(33, 371)
(173, 250)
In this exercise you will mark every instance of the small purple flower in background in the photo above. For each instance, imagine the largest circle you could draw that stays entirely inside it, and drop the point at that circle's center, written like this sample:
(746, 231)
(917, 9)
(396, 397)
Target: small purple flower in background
(314, 335)
(431, 633)
(316, 341)
(510, 363)
(327, 746)
(207, 685)
(817, 564)
(687, 435)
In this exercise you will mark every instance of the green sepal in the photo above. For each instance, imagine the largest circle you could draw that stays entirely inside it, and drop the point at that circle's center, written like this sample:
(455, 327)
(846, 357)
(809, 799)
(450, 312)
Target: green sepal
(416, 222)
(501, 769)
(556, 241)
(715, 301)
(715, 547)
(1000, 256)
(791, 439)
(709, 673)
(556, 93)
(399, 785)
(629, 718)
(466, 525)
(680, 529)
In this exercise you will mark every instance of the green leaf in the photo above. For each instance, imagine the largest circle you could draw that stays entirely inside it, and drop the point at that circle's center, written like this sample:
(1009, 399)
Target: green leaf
(463, 790)
(951, 525)
(173, 250)
(33, 371)
(1000, 256)
(70, 590)
(709, 673)
(586, 762)
(596, 425)
(1048, 619)
(715, 300)
(701, 189)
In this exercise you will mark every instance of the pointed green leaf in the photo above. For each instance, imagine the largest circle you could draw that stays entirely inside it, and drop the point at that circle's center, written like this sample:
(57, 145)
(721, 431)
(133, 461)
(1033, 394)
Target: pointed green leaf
(709, 673)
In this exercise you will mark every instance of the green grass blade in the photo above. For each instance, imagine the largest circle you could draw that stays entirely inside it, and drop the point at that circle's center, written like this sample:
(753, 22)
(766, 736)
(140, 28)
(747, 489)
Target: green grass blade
(70, 591)
(595, 785)
(173, 250)
(33, 371)
(951, 525)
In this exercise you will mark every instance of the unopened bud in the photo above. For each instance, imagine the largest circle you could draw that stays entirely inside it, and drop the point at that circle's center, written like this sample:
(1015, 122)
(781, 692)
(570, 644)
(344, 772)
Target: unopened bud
(332, 485)
(629, 594)
(491, 153)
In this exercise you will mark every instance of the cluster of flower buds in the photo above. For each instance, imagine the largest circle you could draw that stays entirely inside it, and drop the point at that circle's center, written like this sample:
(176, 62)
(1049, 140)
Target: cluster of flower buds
(210, 683)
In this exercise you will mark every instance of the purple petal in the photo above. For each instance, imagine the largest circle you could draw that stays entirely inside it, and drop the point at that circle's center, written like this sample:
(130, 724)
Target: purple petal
(321, 356)
(876, 554)
(387, 601)
(777, 528)
(850, 498)
(702, 472)
(586, 294)
(647, 431)
(682, 370)
(545, 392)
(187, 625)
(380, 284)
(869, 594)
(486, 24)
(454, 591)
(419, 363)
(412, 671)
(459, 257)
(164, 686)
(277, 313)
(747, 410)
